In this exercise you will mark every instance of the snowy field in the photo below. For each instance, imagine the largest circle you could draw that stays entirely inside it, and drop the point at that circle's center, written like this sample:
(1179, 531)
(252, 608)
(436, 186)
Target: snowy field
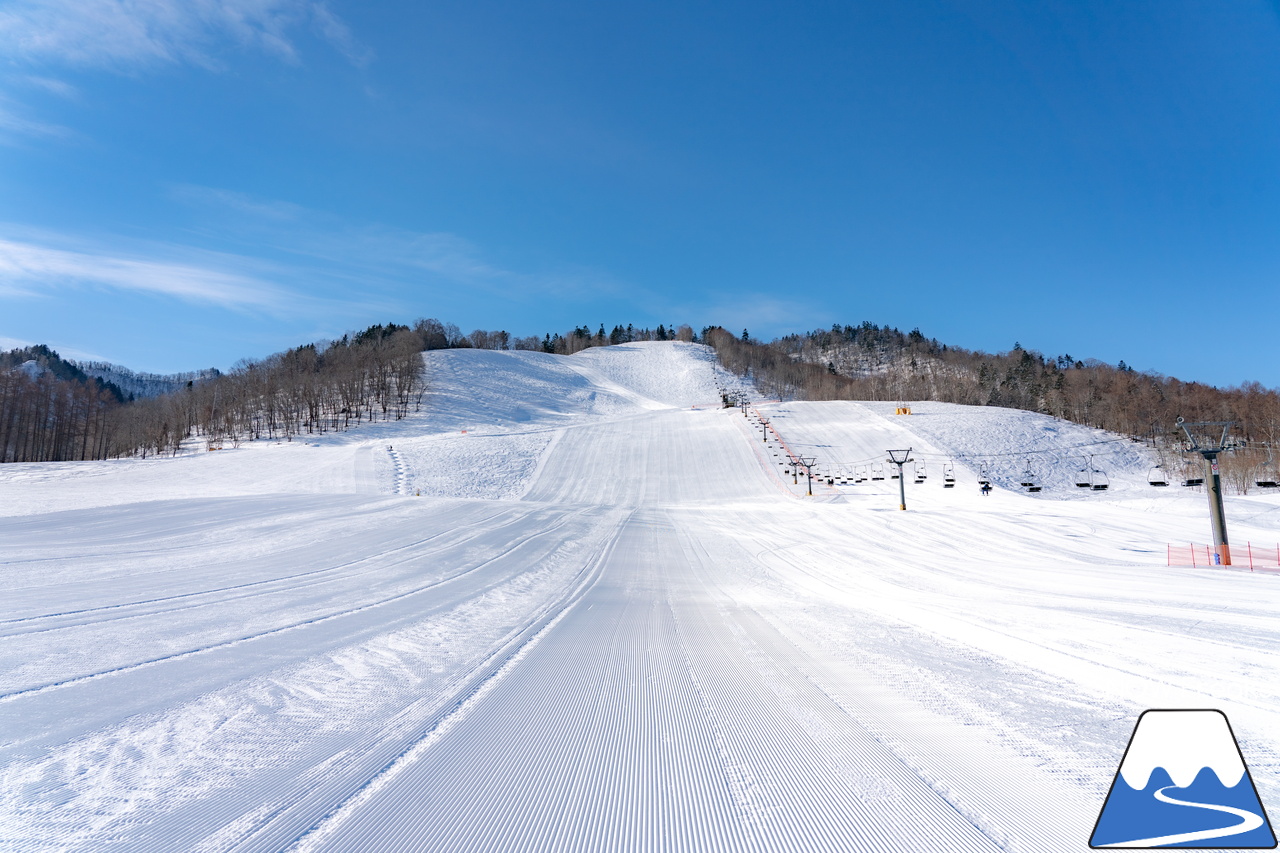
(575, 605)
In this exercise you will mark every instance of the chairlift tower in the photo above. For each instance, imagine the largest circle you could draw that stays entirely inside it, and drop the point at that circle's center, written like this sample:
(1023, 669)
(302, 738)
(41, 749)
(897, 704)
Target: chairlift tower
(1201, 436)
(807, 462)
(764, 429)
(900, 458)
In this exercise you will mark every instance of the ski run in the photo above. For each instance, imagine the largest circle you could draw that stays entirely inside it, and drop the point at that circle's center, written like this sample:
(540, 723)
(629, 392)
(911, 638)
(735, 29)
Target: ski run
(576, 605)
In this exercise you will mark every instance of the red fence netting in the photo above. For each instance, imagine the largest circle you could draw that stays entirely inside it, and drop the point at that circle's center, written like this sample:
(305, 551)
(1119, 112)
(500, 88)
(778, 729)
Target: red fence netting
(1250, 556)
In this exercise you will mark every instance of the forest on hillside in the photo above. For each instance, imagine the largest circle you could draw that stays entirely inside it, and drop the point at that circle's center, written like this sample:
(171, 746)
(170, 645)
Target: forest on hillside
(869, 362)
(52, 410)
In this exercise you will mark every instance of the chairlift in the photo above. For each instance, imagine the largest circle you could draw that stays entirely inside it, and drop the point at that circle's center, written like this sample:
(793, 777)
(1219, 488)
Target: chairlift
(1268, 479)
(1084, 479)
(922, 473)
(860, 474)
(1029, 479)
(1193, 481)
(1097, 479)
(949, 475)
(877, 471)
(984, 479)
(1157, 477)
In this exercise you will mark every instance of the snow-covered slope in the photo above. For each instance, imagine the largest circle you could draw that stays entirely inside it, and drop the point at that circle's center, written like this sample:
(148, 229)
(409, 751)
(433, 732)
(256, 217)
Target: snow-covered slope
(672, 374)
(493, 416)
(574, 604)
(1006, 444)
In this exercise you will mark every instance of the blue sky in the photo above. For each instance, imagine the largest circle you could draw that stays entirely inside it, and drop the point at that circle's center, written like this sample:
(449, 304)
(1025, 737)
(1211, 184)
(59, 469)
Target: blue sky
(184, 183)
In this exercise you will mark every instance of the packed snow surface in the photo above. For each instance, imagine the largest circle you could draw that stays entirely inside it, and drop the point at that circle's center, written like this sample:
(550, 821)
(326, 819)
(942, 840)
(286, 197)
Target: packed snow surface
(574, 604)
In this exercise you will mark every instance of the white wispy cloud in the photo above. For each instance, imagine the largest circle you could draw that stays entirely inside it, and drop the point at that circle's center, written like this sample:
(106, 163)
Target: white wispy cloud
(7, 343)
(32, 269)
(387, 257)
(15, 123)
(762, 313)
(128, 33)
(237, 202)
(289, 262)
(61, 88)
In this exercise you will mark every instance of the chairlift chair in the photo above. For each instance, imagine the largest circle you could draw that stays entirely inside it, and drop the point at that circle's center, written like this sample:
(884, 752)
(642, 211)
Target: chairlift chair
(877, 471)
(1268, 479)
(1099, 481)
(1193, 481)
(984, 479)
(860, 474)
(922, 472)
(949, 475)
(1157, 477)
(1029, 479)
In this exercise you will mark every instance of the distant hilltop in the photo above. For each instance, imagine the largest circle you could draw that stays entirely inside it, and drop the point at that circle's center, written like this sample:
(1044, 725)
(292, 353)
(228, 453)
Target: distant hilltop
(143, 385)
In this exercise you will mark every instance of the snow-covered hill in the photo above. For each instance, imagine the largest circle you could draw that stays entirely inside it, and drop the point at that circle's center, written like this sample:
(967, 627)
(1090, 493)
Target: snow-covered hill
(574, 604)
(1005, 445)
(140, 385)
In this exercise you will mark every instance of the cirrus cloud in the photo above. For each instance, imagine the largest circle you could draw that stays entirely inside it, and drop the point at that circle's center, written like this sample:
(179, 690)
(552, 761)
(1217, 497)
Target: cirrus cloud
(127, 33)
(30, 269)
